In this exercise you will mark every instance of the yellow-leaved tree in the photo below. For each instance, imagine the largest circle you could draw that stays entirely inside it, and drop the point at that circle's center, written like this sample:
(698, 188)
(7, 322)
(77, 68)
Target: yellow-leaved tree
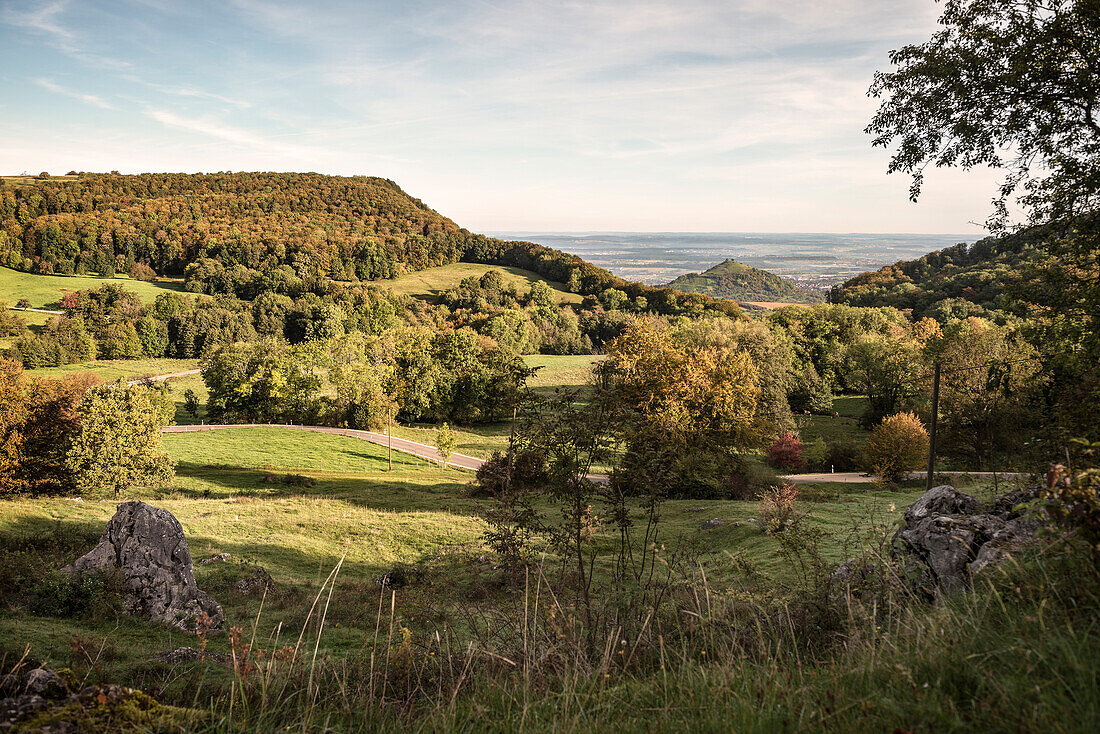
(688, 410)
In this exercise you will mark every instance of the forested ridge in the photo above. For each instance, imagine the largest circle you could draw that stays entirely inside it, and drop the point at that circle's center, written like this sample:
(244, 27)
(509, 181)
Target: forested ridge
(247, 233)
(740, 282)
(995, 277)
(344, 228)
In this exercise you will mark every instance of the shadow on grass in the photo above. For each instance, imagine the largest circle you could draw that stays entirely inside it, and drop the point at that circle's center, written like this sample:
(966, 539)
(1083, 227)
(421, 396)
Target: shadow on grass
(403, 490)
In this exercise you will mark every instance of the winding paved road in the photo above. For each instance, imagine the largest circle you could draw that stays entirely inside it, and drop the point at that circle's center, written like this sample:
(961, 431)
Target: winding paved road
(858, 478)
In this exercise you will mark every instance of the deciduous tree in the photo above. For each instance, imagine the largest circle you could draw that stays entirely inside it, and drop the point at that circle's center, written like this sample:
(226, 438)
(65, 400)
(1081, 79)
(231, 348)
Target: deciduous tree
(118, 445)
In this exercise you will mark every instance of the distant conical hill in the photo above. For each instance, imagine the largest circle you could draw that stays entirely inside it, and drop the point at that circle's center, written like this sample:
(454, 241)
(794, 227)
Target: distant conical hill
(739, 282)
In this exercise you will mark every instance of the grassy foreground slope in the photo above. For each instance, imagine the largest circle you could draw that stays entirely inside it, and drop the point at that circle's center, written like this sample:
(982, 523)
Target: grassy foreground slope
(969, 663)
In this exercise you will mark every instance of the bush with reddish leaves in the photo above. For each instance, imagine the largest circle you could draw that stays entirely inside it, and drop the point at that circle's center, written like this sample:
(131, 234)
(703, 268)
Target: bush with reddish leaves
(785, 452)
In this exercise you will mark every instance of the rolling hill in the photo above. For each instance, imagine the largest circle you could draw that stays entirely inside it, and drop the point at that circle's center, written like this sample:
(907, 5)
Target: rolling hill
(994, 277)
(738, 282)
(247, 232)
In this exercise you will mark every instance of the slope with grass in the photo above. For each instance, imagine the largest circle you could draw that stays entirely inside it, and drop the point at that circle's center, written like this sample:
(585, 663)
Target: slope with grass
(429, 284)
(722, 663)
(46, 291)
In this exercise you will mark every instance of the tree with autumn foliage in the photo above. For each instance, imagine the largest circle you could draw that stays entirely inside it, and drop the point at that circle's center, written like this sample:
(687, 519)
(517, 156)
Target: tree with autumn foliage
(686, 411)
(118, 444)
(897, 446)
(38, 420)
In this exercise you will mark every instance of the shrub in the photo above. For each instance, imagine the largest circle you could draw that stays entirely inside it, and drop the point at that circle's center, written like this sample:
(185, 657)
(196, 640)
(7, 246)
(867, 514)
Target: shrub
(751, 477)
(785, 452)
(95, 596)
(445, 442)
(843, 456)
(1072, 499)
(814, 453)
(778, 510)
(141, 271)
(10, 324)
(897, 445)
(493, 476)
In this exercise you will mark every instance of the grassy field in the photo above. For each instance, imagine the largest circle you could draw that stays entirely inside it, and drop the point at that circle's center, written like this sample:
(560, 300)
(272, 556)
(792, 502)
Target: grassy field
(430, 283)
(113, 369)
(843, 428)
(300, 525)
(45, 291)
(281, 448)
(554, 371)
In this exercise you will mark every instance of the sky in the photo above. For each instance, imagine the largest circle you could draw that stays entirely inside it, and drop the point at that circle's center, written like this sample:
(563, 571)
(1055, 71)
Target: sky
(655, 115)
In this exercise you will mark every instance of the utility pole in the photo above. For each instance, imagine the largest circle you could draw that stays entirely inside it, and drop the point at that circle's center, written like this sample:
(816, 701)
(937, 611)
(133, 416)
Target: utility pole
(512, 436)
(932, 431)
(511, 444)
(389, 437)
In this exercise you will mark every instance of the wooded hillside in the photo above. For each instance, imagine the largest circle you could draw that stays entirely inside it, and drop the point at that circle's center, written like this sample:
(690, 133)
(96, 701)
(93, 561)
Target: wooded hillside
(345, 228)
(739, 282)
(993, 277)
(246, 233)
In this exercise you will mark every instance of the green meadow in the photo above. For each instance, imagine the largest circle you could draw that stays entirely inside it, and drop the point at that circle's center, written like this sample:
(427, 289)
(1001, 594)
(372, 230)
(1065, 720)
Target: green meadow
(46, 291)
(429, 284)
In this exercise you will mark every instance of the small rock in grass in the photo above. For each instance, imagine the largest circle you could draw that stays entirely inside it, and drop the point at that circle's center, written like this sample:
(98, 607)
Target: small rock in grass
(259, 579)
(395, 578)
(215, 559)
(712, 524)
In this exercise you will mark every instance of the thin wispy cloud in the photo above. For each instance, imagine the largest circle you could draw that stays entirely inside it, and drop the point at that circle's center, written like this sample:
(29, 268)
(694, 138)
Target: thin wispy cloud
(40, 17)
(221, 131)
(656, 114)
(82, 96)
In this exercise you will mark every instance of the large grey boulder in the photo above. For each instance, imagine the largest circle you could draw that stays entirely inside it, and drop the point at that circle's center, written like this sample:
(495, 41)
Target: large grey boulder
(948, 536)
(146, 546)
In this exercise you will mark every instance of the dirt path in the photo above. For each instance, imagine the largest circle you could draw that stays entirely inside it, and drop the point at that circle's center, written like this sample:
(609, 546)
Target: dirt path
(169, 376)
(37, 310)
(857, 478)
(845, 477)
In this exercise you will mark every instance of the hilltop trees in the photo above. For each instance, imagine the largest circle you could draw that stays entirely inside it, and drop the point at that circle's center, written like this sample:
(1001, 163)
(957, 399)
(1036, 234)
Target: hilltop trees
(1013, 84)
(259, 383)
(358, 380)
(987, 396)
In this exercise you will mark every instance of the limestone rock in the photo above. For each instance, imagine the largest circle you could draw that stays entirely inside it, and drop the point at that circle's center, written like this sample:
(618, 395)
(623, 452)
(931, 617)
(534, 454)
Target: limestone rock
(948, 536)
(258, 579)
(146, 546)
(220, 558)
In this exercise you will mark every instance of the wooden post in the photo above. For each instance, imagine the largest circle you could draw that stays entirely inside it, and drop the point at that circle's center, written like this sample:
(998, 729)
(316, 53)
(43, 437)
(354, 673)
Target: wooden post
(512, 435)
(389, 437)
(932, 427)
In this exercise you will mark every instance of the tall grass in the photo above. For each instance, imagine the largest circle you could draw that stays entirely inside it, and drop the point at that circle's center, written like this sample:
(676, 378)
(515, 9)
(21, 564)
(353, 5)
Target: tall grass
(1017, 653)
